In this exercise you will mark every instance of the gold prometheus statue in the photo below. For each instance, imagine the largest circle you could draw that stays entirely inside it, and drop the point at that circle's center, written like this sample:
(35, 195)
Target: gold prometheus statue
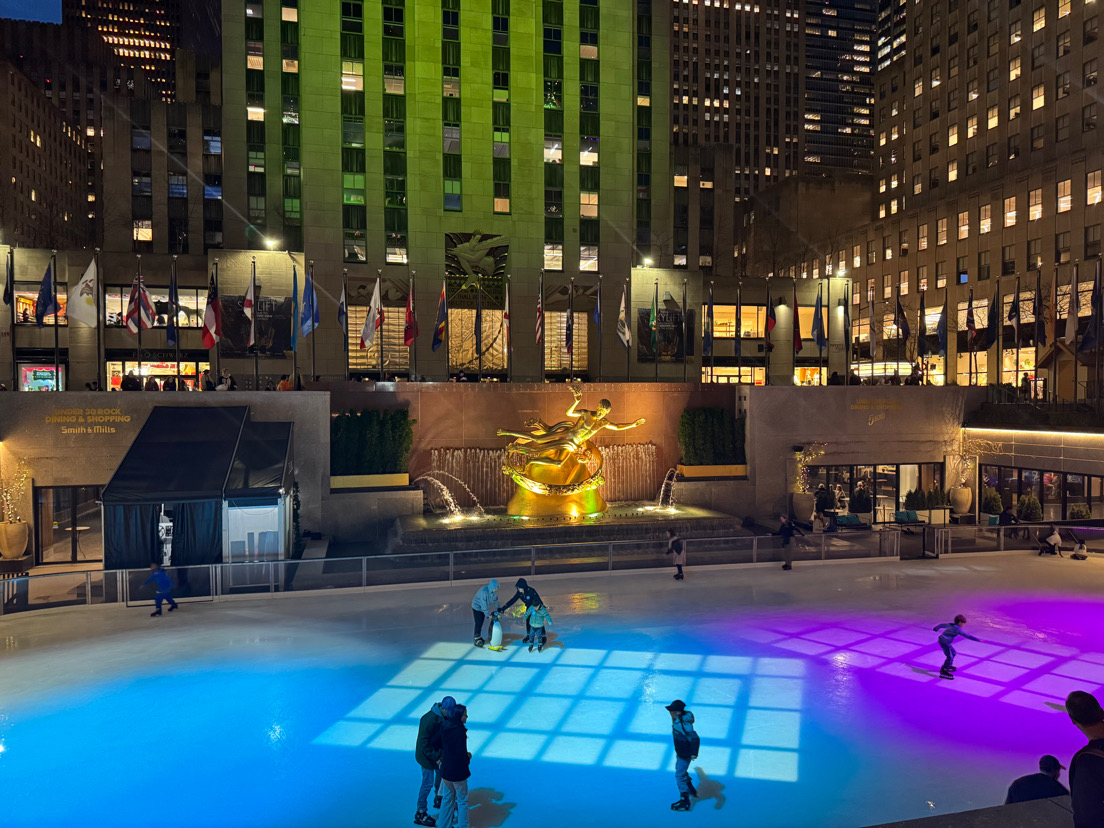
(558, 468)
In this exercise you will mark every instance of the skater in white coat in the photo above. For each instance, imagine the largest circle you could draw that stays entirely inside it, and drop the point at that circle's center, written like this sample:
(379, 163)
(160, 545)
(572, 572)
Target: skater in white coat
(483, 604)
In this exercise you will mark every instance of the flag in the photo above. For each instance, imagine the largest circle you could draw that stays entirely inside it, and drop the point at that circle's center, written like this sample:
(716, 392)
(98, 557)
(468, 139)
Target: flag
(506, 315)
(818, 322)
(922, 350)
(9, 280)
(771, 320)
(1091, 339)
(47, 298)
(410, 327)
(212, 317)
(707, 341)
(623, 330)
(172, 336)
(1073, 309)
(1037, 310)
(311, 314)
(653, 323)
(540, 309)
(139, 312)
(971, 324)
(569, 325)
(374, 320)
(900, 321)
(295, 308)
(1014, 316)
(796, 322)
(598, 311)
(81, 305)
(873, 333)
(247, 309)
(941, 329)
(992, 327)
(846, 326)
(343, 319)
(442, 320)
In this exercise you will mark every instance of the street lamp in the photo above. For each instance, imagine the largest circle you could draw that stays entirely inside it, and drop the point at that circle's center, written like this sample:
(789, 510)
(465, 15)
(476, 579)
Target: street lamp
(647, 263)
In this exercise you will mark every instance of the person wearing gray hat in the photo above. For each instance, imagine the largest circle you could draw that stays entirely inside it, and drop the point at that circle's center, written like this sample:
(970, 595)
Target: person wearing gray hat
(1086, 774)
(1041, 785)
(687, 745)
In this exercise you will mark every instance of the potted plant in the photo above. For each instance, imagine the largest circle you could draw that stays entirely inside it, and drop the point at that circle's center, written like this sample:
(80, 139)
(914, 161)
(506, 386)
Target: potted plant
(14, 531)
(1029, 509)
(1079, 511)
(991, 503)
(960, 467)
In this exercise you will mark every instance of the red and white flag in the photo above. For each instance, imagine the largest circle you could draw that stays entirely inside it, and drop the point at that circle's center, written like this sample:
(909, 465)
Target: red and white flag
(374, 321)
(212, 317)
(139, 314)
(247, 309)
(506, 315)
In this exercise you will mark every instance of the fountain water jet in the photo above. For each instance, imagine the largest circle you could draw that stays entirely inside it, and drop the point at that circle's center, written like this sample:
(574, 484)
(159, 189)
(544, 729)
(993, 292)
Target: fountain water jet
(471, 494)
(666, 497)
(454, 512)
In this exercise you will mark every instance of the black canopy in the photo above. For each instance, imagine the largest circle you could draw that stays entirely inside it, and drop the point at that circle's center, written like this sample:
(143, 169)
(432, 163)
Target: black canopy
(261, 465)
(181, 454)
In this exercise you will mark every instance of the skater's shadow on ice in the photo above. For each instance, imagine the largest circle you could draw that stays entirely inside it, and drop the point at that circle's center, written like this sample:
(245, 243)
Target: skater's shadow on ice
(710, 789)
(924, 671)
(486, 808)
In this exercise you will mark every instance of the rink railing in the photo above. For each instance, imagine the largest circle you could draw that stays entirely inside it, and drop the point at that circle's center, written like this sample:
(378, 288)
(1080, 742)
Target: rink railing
(215, 581)
(950, 540)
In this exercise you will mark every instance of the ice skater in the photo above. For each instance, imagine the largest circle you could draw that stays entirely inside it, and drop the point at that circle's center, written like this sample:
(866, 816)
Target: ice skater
(786, 530)
(529, 597)
(452, 741)
(687, 745)
(429, 758)
(484, 603)
(537, 617)
(164, 588)
(946, 639)
(677, 548)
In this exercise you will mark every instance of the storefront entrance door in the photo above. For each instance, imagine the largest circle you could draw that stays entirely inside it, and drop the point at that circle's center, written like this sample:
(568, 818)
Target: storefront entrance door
(67, 525)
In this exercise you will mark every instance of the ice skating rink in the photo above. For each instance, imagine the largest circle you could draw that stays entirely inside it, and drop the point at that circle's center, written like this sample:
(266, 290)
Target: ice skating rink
(816, 694)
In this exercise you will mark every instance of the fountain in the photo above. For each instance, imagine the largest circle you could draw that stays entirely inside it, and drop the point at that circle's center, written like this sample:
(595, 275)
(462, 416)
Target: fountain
(454, 512)
(666, 497)
(471, 494)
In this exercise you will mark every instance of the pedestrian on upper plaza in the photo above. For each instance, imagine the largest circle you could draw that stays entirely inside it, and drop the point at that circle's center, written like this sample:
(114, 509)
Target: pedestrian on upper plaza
(169, 384)
(151, 384)
(946, 643)
(530, 597)
(163, 589)
(1041, 785)
(206, 382)
(284, 384)
(677, 549)
(538, 617)
(1086, 768)
(429, 758)
(687, 745)
(452, 741)
(484, 603)
(786, 530)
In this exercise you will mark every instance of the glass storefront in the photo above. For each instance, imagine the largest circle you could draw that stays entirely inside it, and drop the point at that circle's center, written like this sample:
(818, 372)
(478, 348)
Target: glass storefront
(1063, 496)
(889, 483)
(159, 374)
(40, 378)
(67, 525)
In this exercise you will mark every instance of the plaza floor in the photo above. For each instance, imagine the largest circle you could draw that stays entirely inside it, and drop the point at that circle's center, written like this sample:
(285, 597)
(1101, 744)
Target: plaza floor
(816, 694)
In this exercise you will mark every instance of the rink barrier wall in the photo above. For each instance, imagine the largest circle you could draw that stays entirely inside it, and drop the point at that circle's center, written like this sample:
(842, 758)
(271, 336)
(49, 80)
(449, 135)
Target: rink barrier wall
(216, 582)
(955, 540)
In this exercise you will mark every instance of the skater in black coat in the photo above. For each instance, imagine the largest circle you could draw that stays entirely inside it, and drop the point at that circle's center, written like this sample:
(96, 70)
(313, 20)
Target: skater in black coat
(529, 596)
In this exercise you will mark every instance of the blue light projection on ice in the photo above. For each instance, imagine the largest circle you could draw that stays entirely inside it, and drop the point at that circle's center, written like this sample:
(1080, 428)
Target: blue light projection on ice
(594, 707)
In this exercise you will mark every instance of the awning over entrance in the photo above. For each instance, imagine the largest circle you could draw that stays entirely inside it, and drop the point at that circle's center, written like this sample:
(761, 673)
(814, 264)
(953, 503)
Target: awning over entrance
(262, 463)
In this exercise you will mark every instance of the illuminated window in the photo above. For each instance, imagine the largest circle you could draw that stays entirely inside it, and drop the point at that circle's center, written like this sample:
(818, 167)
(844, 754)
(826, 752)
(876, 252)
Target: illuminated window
(971, 126)
(941, 231)
(985, 220)
(588, 151)
(1013, 107)
(553, 256)
(922, 237)
(143, 230)
(588, 204)
(1014, 68)
(952, 135)
(1010, 211)
(1038, 19)
(1038, 96)
(1063, 8)
(352, 75)
(553, 150)
(1065, 195)
(1092, 188)
(993, 115)
(964, 225)
(1035, 204)
(1014, 32)
(254, 113)
(588, 258)
(952, 171)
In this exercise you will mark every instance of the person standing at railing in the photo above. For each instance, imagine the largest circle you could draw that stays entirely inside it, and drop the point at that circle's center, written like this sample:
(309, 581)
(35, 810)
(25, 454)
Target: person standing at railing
(163, 588)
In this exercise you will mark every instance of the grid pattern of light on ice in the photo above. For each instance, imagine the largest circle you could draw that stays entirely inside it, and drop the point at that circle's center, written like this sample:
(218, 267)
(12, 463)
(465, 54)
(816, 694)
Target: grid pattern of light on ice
(1033, 673)
(594, 707)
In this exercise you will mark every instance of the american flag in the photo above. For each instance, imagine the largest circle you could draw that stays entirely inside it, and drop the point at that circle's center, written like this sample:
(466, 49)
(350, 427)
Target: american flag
(139, 313)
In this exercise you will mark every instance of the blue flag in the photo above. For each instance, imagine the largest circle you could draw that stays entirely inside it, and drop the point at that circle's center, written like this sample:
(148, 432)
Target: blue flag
(174, 301)
(1014, 316)
(310, 316)
(47, 298)
(294, 308)
(901, 322)
(818, 324)
(941, 330)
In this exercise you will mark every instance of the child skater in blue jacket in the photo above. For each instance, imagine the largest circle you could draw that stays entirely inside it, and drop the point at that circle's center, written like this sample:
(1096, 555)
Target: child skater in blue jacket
(945, 642)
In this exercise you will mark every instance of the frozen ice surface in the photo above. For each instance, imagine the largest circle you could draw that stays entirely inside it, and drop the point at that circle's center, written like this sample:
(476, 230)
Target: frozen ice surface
(816, 693)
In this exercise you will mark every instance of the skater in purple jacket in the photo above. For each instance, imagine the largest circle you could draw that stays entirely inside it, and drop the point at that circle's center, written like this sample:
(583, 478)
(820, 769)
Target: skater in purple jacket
(946, 639)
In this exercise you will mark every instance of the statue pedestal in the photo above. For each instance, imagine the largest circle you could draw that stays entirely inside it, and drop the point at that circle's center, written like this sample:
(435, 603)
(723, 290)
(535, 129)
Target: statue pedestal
(525, 503)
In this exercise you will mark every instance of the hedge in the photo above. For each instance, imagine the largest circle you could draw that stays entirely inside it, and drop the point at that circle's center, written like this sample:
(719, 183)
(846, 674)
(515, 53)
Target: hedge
(712, 437)
(370, 442)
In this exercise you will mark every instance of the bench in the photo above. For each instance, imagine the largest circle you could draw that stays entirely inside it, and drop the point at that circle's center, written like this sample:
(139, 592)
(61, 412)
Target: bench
(850, 522)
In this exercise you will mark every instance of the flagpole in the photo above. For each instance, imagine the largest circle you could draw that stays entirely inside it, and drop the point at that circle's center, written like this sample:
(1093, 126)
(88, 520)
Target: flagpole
(571, 326)
(826, 321)
(540, 322)
(296, 312)
(217, 345)
(1037, 309)
(766, 338)
(655, 330)
(509, 345)
(479, 324)
(685, 356)
(379, 284)
(176, 317)
(628, 322)
(713, 334)
(253, 323)
(57, 313)
(138, 341)
(97, 294)
(10, 287)
(739, 331)
(345, 321)
(1097, 313)
(1074, 309)
(414, 314)
(598, 305)
(313, 311)
(1015, 331)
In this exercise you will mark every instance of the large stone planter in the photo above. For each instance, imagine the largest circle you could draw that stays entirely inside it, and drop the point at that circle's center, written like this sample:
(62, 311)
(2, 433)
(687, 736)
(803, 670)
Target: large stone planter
(801, 504)
(961, 497)
(13, 540)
